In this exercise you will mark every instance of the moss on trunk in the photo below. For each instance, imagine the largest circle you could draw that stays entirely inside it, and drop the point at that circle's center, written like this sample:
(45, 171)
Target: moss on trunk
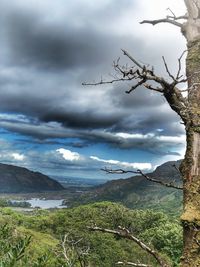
(190, 167)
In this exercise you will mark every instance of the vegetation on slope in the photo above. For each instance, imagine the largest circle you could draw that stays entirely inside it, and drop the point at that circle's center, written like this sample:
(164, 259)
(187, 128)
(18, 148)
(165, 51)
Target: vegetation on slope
(138, 193)
(48, 228)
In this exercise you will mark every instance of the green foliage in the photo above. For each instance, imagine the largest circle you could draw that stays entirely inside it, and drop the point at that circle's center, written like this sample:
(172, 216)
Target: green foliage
(47, 228)
(8, 203)
(12, 251)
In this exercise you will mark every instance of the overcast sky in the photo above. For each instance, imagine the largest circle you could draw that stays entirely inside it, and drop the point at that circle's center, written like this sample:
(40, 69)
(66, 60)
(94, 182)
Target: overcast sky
(49, 121)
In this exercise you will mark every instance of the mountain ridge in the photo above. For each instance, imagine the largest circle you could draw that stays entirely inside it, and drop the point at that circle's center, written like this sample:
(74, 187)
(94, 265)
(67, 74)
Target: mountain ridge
(136, 192)
(15, 179)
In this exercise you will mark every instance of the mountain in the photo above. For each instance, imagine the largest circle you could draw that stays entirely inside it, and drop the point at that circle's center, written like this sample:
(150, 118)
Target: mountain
(138, 193)
(15, 179)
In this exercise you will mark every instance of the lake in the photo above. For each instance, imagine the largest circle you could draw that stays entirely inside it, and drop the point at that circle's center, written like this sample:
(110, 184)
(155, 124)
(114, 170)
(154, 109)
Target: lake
(44, 203)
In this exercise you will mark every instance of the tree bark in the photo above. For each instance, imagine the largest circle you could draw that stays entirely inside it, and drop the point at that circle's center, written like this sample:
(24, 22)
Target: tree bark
(190, 167)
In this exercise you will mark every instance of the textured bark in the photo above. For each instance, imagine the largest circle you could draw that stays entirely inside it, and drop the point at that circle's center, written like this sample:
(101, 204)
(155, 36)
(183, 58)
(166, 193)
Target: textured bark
(189, 110)
(191, 165)
(191, 28)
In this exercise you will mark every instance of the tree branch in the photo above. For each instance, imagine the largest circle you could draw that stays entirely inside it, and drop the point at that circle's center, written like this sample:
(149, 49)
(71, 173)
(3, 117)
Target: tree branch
(121, 171)
(125, 233)
(167, 69)
(132, 59)
(109, 82)
(132, 264)
(144, 74)
(166, 20)
(150, 87)
(179, 65)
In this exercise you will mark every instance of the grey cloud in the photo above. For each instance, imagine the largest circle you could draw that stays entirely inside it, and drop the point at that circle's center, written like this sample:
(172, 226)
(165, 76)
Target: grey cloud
(46, 132)
(36, 41)
(44, 62)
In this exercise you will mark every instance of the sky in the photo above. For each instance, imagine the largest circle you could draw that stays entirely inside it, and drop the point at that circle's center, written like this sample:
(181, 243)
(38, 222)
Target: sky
(49, 122)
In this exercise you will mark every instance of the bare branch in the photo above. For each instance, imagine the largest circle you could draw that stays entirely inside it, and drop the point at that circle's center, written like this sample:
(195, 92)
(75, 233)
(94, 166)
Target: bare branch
(121, 171)
(165, 20)
(175, 17)
(132, 59)
(173, 14)
(144, 74)
(150, 87)
(136, 85)
(132, 264)
(172, 19)
(125, 233)
(109, 82)
(167, 69)
(179, 64)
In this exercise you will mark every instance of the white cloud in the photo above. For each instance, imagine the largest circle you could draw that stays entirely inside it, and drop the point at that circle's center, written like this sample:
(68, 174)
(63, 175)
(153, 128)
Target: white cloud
(69, 155)
(141, 166)
(18, 156)
(172, 139)
(135, 136)
(162, 138)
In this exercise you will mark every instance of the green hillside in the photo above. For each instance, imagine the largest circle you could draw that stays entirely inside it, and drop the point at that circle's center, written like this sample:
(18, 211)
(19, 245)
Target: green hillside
(138, 193)
(48, 228)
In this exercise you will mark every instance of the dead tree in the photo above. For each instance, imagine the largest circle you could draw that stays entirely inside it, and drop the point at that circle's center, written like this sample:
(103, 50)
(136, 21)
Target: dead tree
(71, 253)
(187, 107)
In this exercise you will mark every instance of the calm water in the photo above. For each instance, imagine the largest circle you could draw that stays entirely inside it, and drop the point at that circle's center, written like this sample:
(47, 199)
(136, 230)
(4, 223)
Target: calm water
(45, 204)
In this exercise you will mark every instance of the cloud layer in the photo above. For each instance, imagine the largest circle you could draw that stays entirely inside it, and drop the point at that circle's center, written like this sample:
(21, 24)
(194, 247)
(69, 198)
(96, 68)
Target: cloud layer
(48, 48)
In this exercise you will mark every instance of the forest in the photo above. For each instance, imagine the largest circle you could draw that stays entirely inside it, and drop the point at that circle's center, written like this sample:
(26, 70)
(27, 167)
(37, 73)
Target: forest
(62, 238)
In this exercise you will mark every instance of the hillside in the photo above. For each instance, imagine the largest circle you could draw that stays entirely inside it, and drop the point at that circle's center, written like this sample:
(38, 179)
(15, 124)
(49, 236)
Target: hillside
(15, 179)
(138, 193)
(84, 247)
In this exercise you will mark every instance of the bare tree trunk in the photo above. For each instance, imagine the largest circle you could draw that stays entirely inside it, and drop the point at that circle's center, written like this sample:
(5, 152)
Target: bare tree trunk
(191, 165)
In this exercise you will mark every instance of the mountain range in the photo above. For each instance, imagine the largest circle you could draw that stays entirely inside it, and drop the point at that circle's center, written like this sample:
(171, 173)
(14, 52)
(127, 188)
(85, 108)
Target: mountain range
(15, 179)
(138, 193)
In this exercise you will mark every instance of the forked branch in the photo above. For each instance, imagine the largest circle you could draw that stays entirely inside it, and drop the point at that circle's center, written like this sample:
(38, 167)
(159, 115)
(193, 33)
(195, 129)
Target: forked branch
(148, 178)
(165, 20)
(172, 19)
(144, 75)
(125, 233)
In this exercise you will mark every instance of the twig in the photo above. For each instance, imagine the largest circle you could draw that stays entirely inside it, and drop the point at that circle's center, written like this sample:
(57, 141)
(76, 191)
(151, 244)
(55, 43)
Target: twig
(108, 82)
(132, 59)
(167, 69)
(179, 64)
(136, 85)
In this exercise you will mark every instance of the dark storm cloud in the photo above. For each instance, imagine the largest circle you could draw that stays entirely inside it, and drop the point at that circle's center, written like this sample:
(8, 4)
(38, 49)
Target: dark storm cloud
(85, 119)
(44, 133)
(32, 43)
(45, 60)
(50, 44)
